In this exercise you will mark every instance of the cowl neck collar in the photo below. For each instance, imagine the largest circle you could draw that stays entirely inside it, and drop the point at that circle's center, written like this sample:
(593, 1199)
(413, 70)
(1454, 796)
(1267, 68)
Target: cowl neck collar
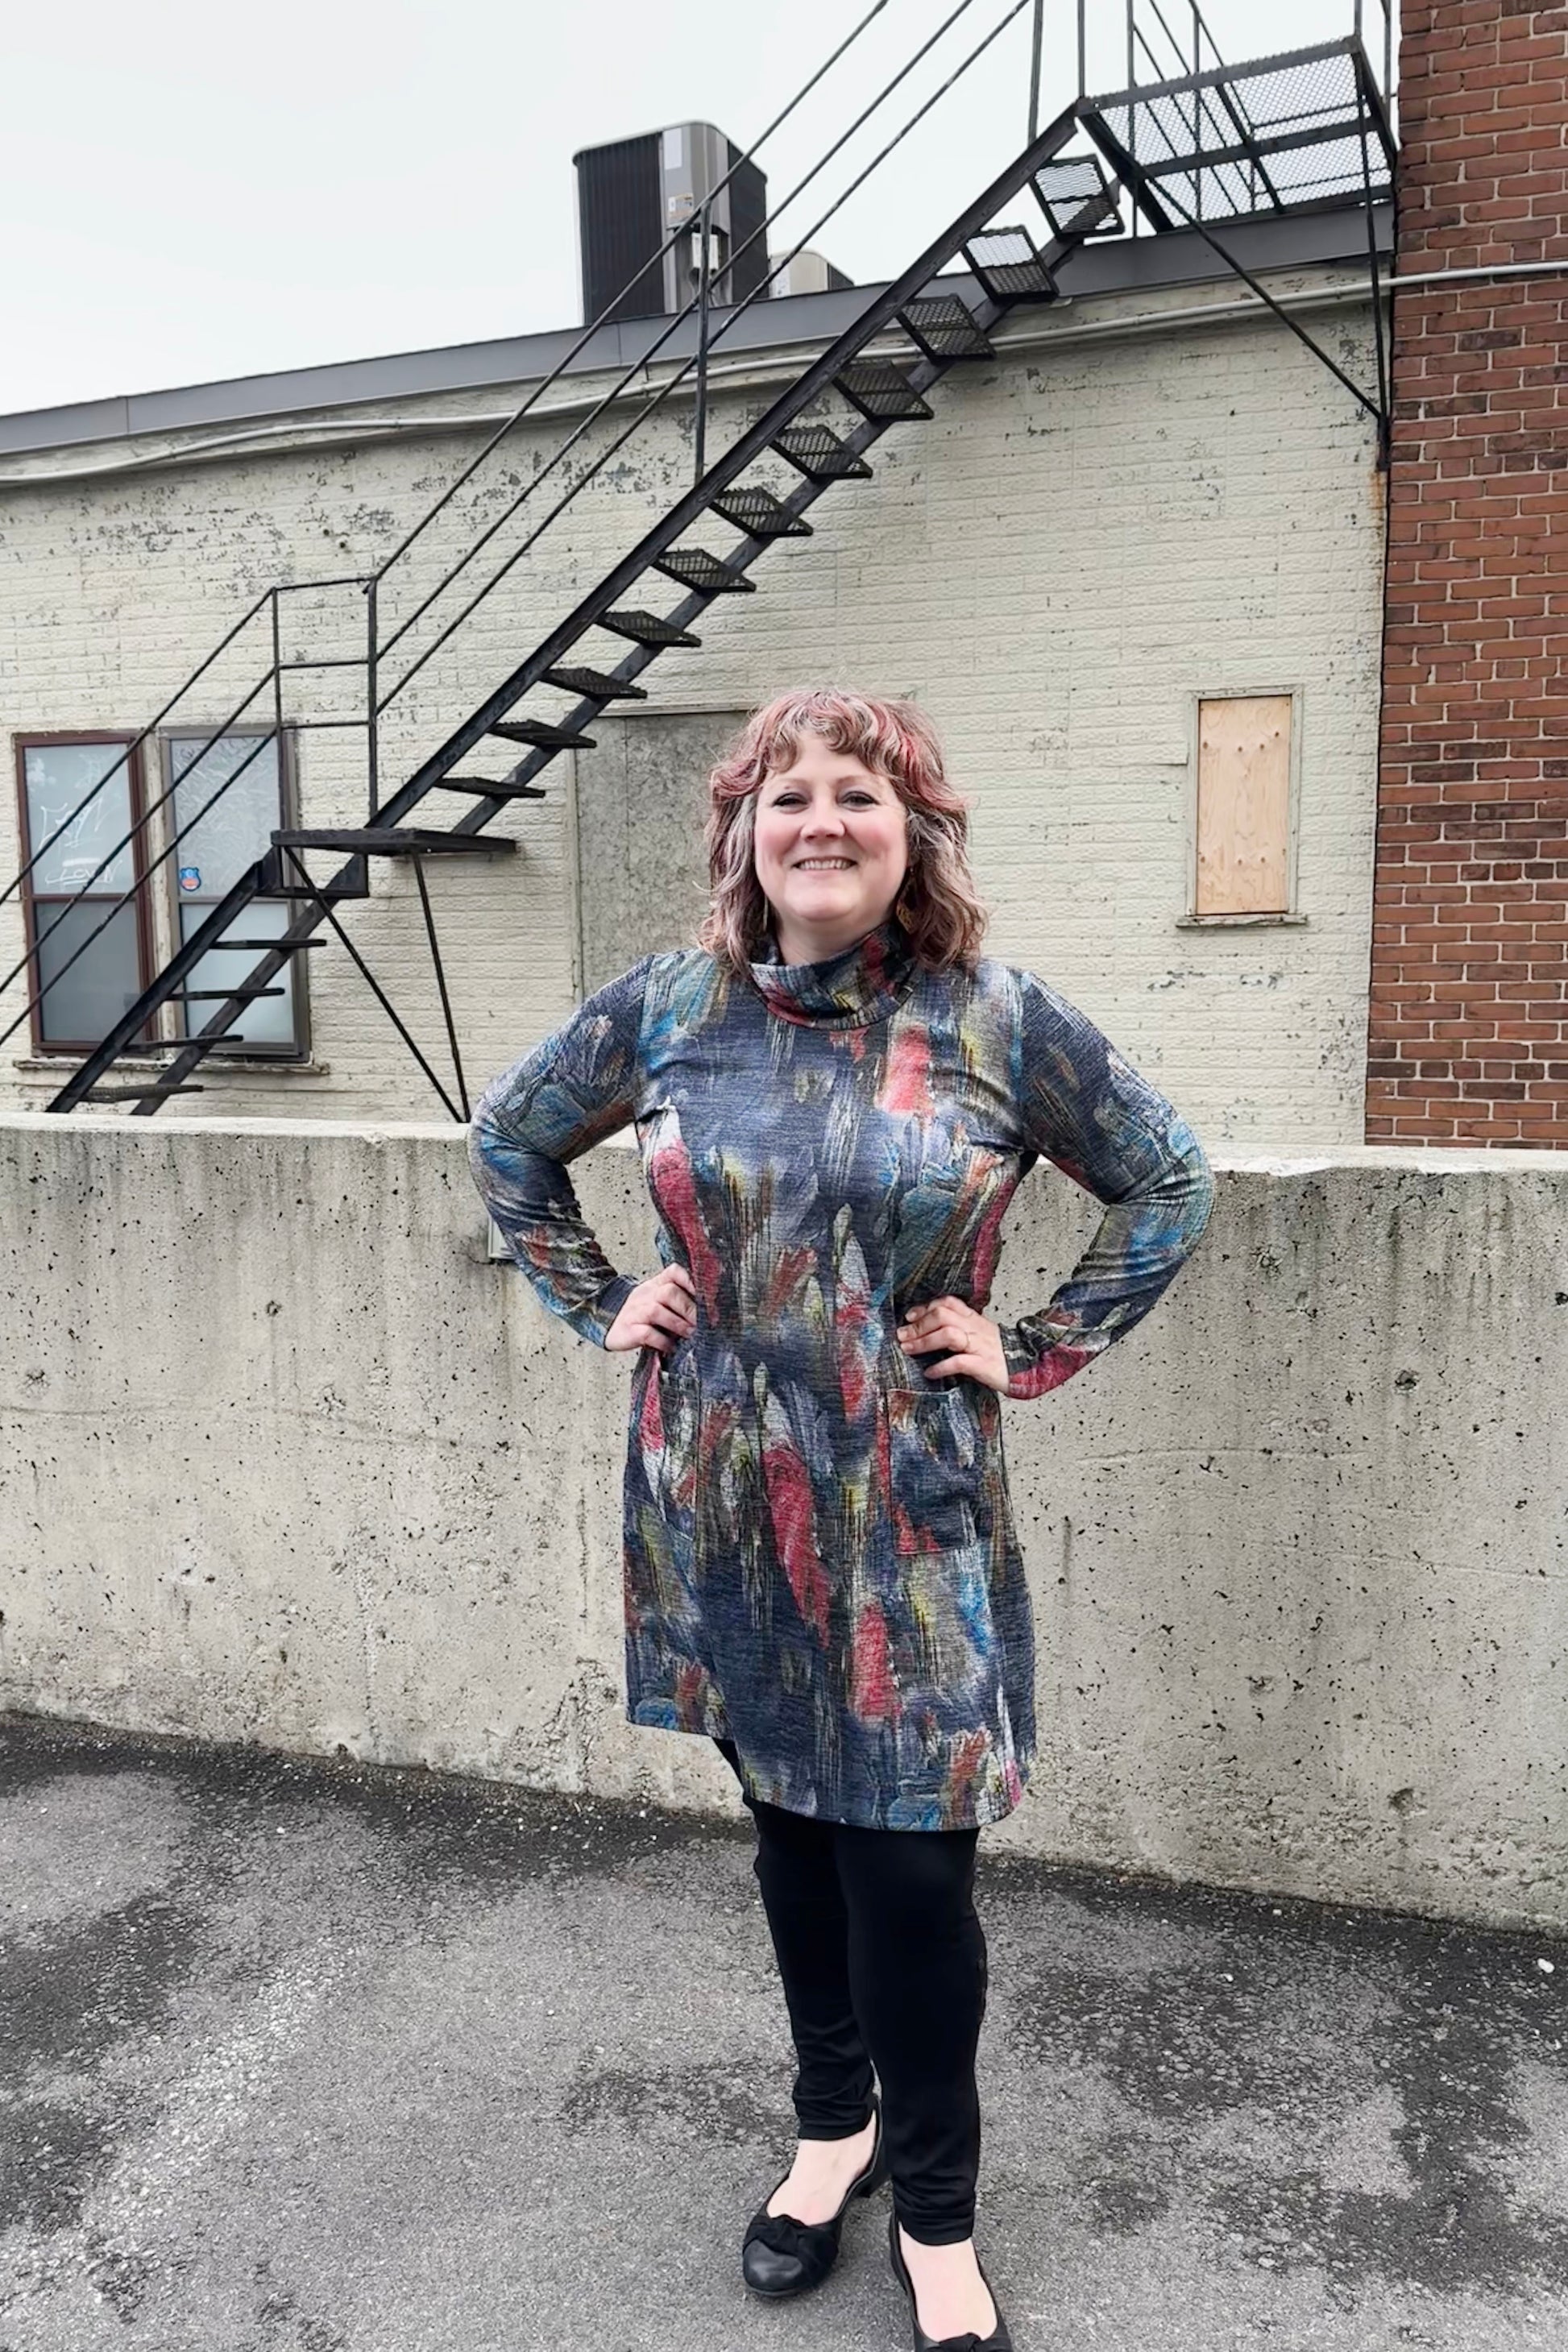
(863, 983)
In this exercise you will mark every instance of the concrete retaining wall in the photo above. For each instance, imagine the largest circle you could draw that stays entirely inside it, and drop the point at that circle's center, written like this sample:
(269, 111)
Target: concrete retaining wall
(287, 1460)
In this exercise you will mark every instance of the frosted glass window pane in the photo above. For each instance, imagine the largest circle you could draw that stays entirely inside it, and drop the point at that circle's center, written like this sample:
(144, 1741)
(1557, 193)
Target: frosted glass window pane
(269, 1021)
(237, 829)
(101, 985)
(59, 776)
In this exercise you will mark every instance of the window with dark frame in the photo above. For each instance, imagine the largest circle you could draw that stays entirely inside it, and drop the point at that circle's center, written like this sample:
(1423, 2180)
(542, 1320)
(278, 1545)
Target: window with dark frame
(228, 793)
(72, 820)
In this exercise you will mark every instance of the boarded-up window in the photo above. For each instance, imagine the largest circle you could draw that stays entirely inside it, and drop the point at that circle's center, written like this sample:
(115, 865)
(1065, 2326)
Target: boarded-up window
(1243, 804)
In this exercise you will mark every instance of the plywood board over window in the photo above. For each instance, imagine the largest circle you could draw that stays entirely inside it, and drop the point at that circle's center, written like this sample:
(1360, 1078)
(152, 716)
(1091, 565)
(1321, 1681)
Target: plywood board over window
(1244, 744)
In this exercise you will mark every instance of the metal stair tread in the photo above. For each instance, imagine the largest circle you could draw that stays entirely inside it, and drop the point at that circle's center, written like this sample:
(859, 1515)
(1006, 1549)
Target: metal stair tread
(486, 788)
(391, 841)
(595, 684)
(1077, 197)
(820, 454)
(693, 567)
(540, 734)
(759, 514)
(946, 327)
(881, 390)
(1008, 264)
(645, 628)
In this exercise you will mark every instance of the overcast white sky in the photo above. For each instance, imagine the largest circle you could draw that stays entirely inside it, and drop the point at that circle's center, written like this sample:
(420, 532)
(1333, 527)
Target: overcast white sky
(189, 192)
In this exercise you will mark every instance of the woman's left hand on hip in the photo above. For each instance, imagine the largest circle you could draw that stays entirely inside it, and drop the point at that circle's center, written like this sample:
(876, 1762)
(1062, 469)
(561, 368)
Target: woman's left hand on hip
(973, 1339)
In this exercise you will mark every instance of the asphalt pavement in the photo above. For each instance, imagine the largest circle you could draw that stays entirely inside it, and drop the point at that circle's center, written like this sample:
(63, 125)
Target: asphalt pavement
(304, 2057)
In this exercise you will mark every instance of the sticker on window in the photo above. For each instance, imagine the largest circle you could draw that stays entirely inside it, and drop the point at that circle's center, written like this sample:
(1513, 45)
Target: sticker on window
(190, 877)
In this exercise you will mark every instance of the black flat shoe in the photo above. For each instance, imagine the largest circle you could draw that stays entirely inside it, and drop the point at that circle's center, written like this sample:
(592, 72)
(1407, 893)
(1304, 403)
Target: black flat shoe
(997, 2341)
(780, 2255)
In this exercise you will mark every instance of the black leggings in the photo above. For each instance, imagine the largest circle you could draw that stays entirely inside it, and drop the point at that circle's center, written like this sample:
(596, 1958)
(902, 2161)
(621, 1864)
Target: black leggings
(883, 1960)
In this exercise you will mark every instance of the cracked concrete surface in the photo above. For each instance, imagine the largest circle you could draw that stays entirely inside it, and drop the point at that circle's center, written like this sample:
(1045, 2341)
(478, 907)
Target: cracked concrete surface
(299, 2058)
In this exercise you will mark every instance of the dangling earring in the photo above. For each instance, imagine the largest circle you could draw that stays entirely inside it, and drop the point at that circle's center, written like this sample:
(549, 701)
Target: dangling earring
(905, 913)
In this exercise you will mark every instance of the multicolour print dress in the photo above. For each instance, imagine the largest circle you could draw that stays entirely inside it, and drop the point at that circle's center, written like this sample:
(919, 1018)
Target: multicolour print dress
(819, 1556)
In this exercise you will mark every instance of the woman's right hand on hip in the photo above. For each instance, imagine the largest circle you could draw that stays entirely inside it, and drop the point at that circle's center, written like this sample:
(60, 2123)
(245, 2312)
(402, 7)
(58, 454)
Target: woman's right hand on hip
(658, 1312)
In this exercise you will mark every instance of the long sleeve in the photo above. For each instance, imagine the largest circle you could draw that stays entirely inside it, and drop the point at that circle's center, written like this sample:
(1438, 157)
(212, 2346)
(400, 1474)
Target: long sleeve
(1086, 1110)
(576, 1086)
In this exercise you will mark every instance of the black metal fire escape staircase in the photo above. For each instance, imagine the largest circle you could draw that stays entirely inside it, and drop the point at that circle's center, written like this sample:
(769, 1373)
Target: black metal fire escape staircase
(596, 655)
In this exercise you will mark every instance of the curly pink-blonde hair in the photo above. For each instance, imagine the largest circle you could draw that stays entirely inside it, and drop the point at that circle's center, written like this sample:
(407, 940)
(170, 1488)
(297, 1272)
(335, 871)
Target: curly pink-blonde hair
(938, 903)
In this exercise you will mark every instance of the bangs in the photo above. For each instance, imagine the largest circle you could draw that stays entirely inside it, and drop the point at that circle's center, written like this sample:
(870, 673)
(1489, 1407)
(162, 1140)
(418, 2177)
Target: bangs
(890, 736)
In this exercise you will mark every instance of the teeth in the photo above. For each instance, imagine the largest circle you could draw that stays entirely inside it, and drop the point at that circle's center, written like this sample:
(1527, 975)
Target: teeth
(823, 865)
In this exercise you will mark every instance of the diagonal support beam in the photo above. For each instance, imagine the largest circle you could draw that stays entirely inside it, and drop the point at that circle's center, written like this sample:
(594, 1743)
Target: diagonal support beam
(441, 982)
(379, 992)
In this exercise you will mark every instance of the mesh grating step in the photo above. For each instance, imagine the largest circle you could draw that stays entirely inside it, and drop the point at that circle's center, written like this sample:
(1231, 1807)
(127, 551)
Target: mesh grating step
(1006, 265)
(645, 629)
(945, 329)
(595, 686)
(821, 454)
(760, 514)
(393, 841)
(483, 789)
(540, 735)
(695, 568)
(289, 946)
(880, 391)
(1077, 198)
(216, 996)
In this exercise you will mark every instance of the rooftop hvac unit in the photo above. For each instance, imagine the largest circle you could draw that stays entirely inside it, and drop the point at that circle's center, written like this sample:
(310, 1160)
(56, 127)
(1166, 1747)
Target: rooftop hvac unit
(631, 193)
(807, 273)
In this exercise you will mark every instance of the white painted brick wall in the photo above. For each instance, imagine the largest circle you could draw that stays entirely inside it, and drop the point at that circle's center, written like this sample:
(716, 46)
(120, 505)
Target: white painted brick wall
(1086, 535)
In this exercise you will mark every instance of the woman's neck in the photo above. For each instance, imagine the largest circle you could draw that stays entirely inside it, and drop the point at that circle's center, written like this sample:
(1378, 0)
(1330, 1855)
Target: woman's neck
(814, 942)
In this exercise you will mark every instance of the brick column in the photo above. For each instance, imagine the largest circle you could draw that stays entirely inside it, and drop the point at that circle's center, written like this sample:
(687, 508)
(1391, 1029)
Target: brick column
(1468, 1038)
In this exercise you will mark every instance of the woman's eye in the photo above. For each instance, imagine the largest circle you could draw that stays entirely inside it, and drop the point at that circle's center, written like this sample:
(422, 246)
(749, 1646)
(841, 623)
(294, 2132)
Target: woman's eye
(794, 800)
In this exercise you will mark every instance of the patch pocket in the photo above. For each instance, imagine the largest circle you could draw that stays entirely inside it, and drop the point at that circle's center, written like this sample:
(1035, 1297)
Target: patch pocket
(933, 1468)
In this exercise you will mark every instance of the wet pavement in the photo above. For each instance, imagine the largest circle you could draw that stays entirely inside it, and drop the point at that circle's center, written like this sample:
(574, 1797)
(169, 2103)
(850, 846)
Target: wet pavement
(297, 2057)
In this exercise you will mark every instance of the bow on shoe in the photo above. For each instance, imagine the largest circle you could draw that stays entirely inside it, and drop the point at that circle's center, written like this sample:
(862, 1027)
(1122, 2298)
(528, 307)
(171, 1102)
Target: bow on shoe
(808, 2241)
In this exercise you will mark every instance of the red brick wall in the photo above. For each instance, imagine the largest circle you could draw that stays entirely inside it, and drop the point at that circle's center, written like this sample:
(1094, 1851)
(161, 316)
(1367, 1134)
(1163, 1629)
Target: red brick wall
(1468, 1022)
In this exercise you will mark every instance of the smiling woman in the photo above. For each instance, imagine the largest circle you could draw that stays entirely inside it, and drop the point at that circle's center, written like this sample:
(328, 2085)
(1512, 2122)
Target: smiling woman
(836, 1096)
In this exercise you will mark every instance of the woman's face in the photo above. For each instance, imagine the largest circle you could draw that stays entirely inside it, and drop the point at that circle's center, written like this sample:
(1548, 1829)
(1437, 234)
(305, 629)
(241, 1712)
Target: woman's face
(831, 850)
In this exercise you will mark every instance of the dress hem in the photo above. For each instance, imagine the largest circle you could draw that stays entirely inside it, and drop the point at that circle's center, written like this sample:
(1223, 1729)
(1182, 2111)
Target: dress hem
(984, 1817)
